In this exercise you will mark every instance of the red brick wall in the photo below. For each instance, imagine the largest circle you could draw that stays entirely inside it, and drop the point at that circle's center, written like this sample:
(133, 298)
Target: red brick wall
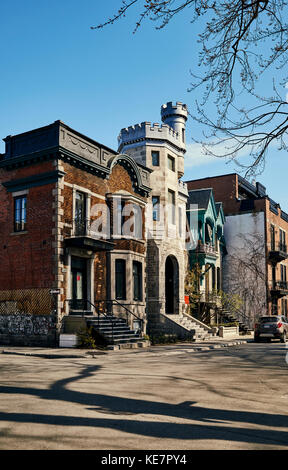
(278, 222)
(26, 259)
(119, 180)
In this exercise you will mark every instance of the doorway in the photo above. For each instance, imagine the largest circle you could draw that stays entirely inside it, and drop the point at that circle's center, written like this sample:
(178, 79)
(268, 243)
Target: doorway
(171, 286)
(78, 283)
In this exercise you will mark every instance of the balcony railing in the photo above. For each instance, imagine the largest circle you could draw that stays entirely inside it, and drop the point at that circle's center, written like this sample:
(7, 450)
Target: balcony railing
(279, 288)
(81, 227)
(206, 249)
(278, 251)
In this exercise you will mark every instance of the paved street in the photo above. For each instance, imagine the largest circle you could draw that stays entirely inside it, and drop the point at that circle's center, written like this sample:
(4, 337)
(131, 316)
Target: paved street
(166, 398)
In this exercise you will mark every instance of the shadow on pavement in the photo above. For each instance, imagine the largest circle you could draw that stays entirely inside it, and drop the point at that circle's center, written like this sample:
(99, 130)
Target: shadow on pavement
(212, 423)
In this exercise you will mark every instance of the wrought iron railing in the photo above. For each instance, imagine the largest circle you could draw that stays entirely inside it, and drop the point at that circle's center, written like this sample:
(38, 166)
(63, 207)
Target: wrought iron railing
(104, 308)
(278, 247)
(279, 285)
(206, 248)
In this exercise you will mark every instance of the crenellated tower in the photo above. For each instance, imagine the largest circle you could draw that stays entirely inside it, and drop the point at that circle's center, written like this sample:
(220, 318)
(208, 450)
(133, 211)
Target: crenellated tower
(161, 148)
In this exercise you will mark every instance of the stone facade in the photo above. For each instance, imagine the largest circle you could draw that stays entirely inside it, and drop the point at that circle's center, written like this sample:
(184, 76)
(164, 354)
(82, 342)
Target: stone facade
(162, 149)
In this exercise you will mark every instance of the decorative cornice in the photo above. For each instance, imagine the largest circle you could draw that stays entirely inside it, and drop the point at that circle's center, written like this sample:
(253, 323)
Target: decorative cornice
(31, 181)
(26, 160)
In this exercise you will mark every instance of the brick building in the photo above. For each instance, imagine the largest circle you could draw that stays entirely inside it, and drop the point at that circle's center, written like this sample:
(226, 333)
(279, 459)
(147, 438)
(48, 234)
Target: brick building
(64, 200)
(255, 233)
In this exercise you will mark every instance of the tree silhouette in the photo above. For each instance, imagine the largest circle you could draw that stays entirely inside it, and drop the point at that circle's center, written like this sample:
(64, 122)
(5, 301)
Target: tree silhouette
(241, 42)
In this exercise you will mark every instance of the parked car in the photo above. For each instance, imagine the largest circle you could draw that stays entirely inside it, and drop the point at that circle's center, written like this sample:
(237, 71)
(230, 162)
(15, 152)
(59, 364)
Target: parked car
(269, 327)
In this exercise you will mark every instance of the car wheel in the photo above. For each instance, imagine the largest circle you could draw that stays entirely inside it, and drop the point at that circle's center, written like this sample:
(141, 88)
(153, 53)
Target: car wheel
(283, 338)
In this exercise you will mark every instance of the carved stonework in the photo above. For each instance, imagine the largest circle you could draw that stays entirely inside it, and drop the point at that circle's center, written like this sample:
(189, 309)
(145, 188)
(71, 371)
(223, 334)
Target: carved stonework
(82, 148)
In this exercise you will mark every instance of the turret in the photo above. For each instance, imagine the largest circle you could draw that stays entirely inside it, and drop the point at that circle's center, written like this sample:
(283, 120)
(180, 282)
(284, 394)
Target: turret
(175, 116)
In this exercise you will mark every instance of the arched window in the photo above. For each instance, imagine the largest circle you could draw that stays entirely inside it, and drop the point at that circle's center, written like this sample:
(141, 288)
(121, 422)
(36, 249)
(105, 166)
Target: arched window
(209, 239)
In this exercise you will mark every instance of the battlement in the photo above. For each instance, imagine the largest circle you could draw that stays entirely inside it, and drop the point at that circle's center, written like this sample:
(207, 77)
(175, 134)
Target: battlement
(146, 131)
(179, 109)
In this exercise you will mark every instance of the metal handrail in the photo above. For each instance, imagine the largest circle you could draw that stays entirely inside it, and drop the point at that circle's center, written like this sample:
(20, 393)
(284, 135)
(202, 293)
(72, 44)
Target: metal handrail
(280, 246)
(116, 302)
(98, 313)
(110, 316)
(129, 311)
(279, 285)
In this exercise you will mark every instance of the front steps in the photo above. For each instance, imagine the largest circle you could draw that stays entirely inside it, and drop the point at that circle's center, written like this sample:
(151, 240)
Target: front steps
(198, 331)
(116, 333)
(118, 337)
(231, 318)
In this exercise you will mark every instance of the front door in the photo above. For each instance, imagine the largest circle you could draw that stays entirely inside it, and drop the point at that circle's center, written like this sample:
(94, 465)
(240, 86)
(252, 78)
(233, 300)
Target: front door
(79, 283)
(171, 286)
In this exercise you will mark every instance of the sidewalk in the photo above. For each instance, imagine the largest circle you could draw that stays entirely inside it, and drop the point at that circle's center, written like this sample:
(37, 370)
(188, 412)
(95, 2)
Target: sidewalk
(74, 353)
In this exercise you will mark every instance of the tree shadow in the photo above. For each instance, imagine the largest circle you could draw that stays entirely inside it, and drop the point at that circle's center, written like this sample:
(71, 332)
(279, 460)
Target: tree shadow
(211, 423)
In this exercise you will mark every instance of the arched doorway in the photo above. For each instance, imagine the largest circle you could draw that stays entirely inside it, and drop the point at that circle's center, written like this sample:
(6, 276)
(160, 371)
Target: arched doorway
(171, 285)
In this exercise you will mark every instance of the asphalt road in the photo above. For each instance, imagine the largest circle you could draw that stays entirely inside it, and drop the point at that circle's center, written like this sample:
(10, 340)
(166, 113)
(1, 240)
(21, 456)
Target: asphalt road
(228, 398)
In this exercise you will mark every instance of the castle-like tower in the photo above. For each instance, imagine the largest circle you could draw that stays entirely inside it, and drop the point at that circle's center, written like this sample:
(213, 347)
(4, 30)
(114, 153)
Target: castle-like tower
(162, 149)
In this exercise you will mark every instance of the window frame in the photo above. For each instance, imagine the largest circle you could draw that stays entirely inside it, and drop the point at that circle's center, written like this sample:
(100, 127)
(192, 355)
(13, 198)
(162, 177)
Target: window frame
(155, 153)
(120, 279)
(137, 280)
(172, 207)
(22, 224)
(156, 210)
(171, 160)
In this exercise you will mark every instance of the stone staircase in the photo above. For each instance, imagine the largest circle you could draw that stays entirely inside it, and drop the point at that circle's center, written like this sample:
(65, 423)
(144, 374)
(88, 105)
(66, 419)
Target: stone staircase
(115, 332)
(191, 326)
(231, 318)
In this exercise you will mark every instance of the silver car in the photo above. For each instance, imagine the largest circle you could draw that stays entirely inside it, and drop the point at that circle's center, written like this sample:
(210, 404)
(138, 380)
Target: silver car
(271, 327)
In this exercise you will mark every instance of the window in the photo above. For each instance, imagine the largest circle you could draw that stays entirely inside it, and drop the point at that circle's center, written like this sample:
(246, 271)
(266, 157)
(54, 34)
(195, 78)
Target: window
(137, 280)
(218, 279)
(284, 307)
(155, 157)
(120, 279)
(273, 276)
(282, 240)
(183, 135)
(80, 213)
(156, 207)
(171, 208)
(283, 273)
(137, 221)
(213, 278)
(272, 236)
(171, 163)
(180, 222)
(20, 213)
(208, 234)
(129, 219)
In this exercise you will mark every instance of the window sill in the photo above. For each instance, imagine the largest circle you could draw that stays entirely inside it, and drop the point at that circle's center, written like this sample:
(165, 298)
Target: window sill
(23, 232)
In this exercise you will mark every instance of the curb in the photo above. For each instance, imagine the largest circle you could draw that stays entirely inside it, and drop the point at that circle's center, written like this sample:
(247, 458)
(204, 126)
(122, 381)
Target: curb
(94, 353)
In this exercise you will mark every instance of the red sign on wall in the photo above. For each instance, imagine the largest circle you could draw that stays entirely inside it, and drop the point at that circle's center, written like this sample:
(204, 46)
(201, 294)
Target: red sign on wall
(187, 299)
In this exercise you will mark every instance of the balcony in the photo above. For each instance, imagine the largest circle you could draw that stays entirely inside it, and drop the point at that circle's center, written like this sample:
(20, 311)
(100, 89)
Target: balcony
(278, 252)
(78, 234)
(279, 288)
(207, 250)
(211, 298)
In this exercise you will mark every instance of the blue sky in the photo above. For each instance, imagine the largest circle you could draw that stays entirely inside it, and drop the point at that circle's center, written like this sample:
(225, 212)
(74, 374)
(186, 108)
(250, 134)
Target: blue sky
(53, 66)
